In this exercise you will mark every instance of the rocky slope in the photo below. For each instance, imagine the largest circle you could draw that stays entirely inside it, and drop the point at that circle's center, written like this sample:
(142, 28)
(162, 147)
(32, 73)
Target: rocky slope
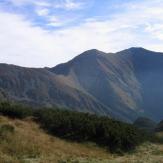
(122, 85)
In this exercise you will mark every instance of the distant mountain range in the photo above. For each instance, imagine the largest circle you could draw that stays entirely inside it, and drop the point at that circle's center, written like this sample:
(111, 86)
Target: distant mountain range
(122, 85)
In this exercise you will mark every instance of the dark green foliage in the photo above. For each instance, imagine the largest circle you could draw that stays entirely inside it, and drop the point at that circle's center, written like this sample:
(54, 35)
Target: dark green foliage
(82, 127)
(86, 127)
(14, 110)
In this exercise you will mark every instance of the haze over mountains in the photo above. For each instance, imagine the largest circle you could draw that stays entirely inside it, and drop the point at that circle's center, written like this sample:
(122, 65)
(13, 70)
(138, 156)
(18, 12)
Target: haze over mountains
(122, 85)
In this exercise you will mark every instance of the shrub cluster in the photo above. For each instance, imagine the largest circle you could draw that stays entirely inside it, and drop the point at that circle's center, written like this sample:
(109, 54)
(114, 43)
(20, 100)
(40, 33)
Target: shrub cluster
(15, 110)
(85, 127)
(82, 127)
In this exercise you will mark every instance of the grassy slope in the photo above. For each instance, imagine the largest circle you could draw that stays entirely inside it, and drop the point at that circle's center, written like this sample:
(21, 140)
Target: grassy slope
(30, 144)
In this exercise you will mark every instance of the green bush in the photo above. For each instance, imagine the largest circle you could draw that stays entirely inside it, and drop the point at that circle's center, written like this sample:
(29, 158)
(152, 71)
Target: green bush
(86, 127)
(15, 110)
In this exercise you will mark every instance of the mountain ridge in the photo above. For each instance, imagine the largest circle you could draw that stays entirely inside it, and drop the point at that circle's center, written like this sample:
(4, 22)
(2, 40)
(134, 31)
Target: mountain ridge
(115, 84)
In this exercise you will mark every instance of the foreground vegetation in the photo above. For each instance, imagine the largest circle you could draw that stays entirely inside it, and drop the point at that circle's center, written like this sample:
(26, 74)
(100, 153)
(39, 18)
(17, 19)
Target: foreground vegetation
(23, 141)
(27, 143)
(81, 127)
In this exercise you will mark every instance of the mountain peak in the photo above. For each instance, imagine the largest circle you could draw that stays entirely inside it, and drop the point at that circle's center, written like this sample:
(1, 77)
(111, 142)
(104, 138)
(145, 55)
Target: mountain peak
(88, 56)
(92, 52)
(136, 51)
(137, 48)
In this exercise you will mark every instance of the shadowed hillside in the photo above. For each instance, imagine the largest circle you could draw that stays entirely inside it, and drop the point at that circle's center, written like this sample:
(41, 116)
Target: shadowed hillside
(159, 127)
(145, 124)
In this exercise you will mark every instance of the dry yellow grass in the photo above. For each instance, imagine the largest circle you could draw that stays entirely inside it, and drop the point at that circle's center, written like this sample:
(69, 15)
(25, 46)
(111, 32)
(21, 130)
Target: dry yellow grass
(30, 144)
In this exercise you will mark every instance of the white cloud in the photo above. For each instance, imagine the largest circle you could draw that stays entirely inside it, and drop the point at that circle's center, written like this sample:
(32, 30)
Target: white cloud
(42, 11)
(55, 21)
(41, 3)
(24, 44)
(156, 30)
(68, 5)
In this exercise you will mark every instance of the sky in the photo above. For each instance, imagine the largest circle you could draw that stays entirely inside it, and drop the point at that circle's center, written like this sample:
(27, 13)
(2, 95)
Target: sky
(44, 33)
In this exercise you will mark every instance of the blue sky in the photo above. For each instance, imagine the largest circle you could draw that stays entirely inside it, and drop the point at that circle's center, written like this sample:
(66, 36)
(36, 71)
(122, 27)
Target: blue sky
(38, 33)
(54, 14)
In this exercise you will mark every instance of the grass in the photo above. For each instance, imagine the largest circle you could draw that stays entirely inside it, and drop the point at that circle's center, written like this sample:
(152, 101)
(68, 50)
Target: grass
(25, 142)
(29, 143)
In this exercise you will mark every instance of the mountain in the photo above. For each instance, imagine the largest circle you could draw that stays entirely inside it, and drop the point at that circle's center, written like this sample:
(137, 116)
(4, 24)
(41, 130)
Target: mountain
(40, 87)
(123, 85)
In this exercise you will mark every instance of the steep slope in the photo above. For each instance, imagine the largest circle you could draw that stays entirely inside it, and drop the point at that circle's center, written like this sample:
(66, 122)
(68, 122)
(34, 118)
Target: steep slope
(129, 81)
(148, 69)
(39, 87)
(107, 78)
